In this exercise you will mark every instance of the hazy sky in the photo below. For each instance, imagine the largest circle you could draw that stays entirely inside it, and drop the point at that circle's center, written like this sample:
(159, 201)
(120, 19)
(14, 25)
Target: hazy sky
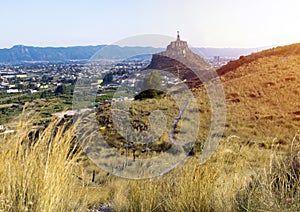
(209, 23)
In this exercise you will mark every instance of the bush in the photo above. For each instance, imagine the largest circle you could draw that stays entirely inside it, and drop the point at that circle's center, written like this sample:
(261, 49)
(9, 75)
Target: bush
(149, 94)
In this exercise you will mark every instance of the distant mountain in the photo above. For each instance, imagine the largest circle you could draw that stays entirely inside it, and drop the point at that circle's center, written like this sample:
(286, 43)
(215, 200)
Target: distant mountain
(21, 54)
(126, 52)
(139, 57)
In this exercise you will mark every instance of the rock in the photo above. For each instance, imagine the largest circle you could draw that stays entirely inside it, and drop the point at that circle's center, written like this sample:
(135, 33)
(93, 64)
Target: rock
(180, 61)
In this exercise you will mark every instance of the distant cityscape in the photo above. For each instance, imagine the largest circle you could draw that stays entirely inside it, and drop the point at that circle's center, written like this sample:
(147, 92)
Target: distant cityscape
(28, 70)
(35, 77)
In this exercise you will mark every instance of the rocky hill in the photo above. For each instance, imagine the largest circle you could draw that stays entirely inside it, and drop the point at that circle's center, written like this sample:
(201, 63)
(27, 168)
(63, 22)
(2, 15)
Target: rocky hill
(179, 60)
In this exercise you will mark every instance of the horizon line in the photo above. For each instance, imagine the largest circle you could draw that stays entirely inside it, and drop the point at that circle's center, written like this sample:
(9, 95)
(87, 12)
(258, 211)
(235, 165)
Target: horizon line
(190, 46)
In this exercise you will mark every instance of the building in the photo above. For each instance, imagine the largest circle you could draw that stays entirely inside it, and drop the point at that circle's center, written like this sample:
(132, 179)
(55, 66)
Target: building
(12, 91)
(32, 91)
(178, 47)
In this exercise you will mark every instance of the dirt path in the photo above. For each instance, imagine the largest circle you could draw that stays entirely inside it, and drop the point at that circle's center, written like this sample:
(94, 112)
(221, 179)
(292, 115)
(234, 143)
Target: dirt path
(176, 120)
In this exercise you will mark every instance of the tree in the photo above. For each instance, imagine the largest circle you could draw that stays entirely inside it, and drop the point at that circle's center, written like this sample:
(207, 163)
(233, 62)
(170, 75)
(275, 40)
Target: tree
(152, 87)
(152, 81)
(60, 89)
(108, 78)
(45, 94)
(46, 78)
(20, 86)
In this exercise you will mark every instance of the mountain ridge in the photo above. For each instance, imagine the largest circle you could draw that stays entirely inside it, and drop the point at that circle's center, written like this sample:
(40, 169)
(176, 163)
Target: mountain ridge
(280, 51)
(22, 53)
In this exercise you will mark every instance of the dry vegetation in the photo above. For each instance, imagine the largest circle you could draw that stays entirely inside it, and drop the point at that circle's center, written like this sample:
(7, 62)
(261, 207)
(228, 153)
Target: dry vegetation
(152, 119)
(44, 176)
(39, 174)
(263, 95)
(246, 179)
(255, 168)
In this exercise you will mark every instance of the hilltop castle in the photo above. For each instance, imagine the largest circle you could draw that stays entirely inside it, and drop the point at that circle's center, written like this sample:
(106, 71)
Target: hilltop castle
(179, 60)
(178, 47)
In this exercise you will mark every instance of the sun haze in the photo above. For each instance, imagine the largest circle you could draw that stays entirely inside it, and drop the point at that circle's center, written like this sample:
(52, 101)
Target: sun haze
(215, 23)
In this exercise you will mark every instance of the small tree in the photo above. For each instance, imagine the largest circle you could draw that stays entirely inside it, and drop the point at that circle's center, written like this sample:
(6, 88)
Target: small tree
(152, 81)
(108, 78)
(152, 87)
(60, 89)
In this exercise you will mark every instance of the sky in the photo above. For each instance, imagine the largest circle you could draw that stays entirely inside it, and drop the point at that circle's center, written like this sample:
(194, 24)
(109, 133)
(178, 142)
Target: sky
(203, 23)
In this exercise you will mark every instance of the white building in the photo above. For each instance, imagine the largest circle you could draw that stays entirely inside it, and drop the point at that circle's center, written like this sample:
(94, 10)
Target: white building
(12, 91)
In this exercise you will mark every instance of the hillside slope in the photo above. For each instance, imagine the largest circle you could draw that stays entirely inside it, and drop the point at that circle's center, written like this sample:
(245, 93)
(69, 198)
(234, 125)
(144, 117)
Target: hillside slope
(263, 94)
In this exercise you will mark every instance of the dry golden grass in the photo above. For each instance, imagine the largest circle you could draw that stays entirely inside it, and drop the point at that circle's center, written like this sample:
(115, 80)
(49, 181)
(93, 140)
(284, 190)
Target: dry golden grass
(39, 175)
(235, 179)
(44, 176)
(262, 95)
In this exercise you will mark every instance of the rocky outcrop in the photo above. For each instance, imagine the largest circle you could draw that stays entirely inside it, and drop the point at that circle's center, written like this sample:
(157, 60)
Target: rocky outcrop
(179, 60)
